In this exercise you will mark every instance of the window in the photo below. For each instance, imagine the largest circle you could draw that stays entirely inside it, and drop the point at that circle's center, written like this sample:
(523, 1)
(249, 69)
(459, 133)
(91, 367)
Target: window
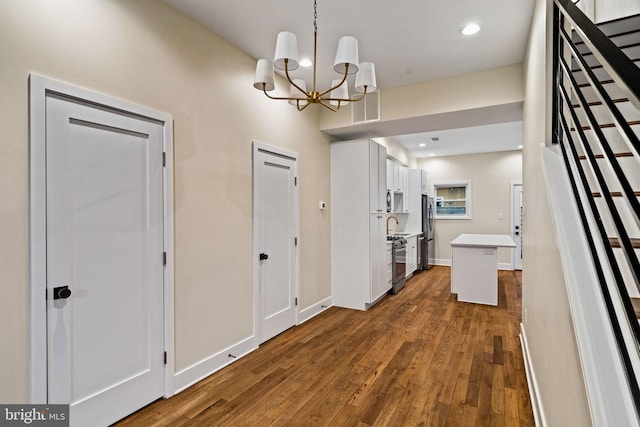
(453, 200)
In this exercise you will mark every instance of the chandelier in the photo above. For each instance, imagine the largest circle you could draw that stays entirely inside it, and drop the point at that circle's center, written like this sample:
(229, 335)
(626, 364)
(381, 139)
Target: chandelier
(346, 63)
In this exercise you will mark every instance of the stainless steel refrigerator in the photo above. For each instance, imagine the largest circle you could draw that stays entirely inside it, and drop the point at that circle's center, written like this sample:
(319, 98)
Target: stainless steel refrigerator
(427, 244)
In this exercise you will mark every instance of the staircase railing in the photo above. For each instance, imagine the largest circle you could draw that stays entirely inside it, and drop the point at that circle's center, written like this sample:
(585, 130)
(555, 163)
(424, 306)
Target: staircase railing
(596, 123)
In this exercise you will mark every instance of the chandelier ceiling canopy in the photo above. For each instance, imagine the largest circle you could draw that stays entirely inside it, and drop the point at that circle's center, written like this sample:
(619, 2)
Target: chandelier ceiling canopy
(346, 62)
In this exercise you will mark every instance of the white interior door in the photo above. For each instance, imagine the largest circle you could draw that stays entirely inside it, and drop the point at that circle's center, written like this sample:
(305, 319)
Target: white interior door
(276, 225)
(105, 243)
(516, 200)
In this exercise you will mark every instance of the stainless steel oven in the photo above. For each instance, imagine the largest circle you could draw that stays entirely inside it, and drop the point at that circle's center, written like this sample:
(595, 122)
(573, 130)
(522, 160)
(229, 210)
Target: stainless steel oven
(399, 264)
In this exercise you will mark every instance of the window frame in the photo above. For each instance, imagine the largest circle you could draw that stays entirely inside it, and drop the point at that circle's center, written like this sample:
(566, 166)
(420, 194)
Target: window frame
(443, 184)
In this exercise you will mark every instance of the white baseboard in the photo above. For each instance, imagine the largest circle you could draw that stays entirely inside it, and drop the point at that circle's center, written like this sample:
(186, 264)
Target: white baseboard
(314, 310)
(534, 391)
(202, 369)
(505, 266)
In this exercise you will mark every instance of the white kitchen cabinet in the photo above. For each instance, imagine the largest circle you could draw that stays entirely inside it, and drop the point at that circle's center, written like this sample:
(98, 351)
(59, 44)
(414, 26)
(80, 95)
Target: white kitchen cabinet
(377, 178)
(378, 250)
(396, 176)
(424, 181)
(405, 189)
(358, 223)
(474, 266)
(400, 176)
(412, 255)
(398, 185)
(418, 181)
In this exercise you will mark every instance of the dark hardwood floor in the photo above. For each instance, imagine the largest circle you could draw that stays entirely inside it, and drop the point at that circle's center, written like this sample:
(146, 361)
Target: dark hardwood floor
(419, 358)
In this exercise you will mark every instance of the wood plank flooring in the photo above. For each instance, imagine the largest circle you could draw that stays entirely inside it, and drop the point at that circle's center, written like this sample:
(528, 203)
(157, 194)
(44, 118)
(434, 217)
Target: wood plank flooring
(419, 358)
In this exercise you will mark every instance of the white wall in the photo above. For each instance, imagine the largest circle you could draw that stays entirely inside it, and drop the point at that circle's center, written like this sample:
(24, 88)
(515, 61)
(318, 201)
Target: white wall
(458, 101)
(546, 313)
(491, 175)
(146, 52)
(607, 10)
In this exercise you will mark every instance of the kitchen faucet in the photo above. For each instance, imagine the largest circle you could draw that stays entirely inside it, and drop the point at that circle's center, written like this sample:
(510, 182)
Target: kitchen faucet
(397, 222)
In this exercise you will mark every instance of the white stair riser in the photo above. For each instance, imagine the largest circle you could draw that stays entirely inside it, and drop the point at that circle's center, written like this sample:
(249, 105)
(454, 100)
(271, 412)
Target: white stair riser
(612, 90)
(630, 226)
(628, 164)
(614, 138)
(603, 116)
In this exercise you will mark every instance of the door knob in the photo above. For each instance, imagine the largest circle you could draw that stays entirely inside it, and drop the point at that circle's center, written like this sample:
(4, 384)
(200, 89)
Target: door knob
(263, 257)
(61, 292)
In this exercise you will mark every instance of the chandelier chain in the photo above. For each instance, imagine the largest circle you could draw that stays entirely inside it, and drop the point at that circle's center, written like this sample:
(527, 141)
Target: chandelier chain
(315, 17)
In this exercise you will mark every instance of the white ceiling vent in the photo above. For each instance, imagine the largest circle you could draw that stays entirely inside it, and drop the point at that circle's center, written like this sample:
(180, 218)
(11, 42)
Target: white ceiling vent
(367, 110)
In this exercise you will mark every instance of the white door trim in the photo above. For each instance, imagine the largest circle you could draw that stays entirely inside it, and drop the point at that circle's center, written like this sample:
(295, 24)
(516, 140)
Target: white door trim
(39, 88)
(513, 214)
(259, 146)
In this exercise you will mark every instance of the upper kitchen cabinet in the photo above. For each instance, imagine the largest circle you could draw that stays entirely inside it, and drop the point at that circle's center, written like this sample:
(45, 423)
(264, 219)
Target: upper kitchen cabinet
(417, 187)
(377, 178)
(405, 189)
(418, 182)
(397, 176)
(358, 223)
(402, 178)
(424, 182)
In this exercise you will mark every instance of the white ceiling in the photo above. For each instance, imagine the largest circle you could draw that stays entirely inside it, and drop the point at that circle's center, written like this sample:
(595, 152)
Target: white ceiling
(474, 139)
(408, 40)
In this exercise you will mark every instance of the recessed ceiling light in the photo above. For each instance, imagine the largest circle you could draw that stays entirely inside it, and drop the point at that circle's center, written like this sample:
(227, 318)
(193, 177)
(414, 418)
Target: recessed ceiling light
(432, 154)
(520, 146)
(306, 62)
(470, 29)
(422, 144)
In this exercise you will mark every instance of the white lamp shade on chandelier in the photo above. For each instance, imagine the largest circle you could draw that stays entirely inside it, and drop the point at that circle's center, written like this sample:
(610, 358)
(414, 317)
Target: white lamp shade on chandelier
(347, 54)
(286, 48)
(264, 75)
(341, 92)
(366, 78)
(346, 62)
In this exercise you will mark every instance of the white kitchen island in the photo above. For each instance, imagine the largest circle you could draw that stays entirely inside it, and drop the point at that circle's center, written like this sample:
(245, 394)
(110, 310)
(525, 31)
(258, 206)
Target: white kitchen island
(474, 266)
